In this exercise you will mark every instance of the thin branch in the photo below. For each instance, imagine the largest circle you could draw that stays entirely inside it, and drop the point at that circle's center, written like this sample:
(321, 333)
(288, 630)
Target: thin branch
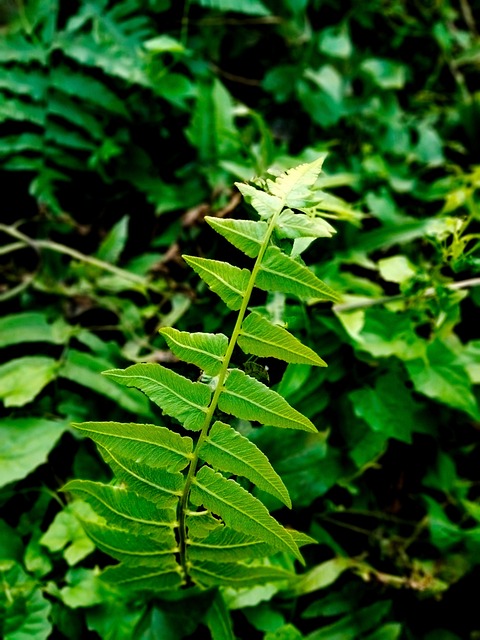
(73, 253)
(431, 291)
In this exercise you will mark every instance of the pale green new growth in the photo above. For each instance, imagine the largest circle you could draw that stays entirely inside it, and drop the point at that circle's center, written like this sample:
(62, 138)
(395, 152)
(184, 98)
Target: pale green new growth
(173, 516)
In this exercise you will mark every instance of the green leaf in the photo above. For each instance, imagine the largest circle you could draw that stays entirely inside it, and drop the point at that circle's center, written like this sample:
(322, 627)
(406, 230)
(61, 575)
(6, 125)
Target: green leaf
(205, 350)
(26, 443)
(226, 545)
(262, 338)
(22, 379)
(178, 397)
(240, 510)
(278, 272)
(25, 611)
(294, 186)
(210, 574)
(246, 235)
(84, 369)
(17, 328)
(442, 376)
(298, 225)
(227, 450)
(320, 577)
(114, 243)
(123, 509)
(396, 269)
(144, 577)
(218, 619)
(66, 533)
(265, 204)
(350, 627)
(249, 399)
(385, 73)
(84, 588)
(145, 443)
(227, 281)
(250, 7)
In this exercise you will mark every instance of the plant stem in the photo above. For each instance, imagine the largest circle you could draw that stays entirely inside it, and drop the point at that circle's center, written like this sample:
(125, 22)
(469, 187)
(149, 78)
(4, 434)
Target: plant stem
(218, 390)
(73, 253)
(371, 302)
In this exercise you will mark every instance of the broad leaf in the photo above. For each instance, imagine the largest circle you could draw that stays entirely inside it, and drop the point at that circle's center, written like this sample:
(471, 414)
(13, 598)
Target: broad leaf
(246, 235)
(264, 203)
(205, 350)
(249, 399)
(26, 443)
(218, 619)
(145, 443)
(22, 379)
(298, 225)
(210, 574)
(295, 185)
(262, 338)
(250, 7)
(178, 397)
(32, 327)
(240, 510)
(278, 272)
(227, 450)
(227, 281)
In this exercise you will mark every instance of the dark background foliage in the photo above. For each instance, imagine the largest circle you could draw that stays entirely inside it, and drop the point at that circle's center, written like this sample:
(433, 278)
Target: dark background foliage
(121, 125)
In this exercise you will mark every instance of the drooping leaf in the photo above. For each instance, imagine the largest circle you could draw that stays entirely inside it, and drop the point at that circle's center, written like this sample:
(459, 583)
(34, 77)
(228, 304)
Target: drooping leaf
(246, 235)
(178, 397)
(262, 338)
(26, 443)
(227, 450)
(210, 574)
(265, 204)
(145, 443)
(278, 272)
(227, 281)
(294, 186)
(206, 350)
(240, 510)
(298, 225)
(249, 399)
(22, 379)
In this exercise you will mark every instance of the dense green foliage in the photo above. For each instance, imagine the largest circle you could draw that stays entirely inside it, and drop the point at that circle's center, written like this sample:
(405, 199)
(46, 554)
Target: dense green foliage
(122, 126)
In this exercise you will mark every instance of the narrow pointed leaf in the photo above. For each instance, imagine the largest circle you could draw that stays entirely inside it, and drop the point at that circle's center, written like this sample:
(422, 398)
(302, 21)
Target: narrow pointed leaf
(227, 281)
(131, 547)
(152, 482)
(298, 225)
(210, 574)
(294, 186)
(246, 235)
(218, 619)
(124, 509)
(262, 338)
(205, 350)
(178, 397)
(146, 443)
(227, 450)
(278, 272)
(227, 545)
(145, 577)
(249, 399)
(240, 510)
(264, 203)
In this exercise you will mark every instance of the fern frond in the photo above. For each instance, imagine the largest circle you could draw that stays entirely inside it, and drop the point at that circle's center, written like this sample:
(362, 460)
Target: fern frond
(172, 515)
